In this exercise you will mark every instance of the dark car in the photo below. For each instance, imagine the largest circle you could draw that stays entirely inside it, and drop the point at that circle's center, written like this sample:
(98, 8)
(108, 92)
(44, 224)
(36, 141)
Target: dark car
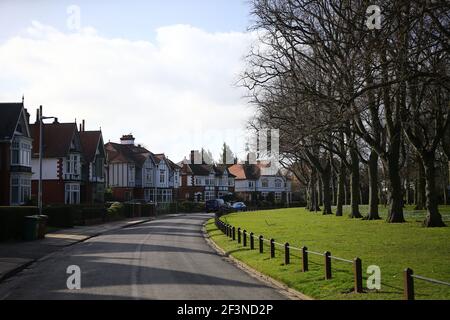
(214, 205)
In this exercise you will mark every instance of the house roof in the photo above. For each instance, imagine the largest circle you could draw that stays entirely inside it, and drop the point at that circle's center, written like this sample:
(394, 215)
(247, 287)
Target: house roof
(90, 140)
(173, 166)
(201, 169)
(127, 153)
(57, 138)
(245, 171)
(9, 117)
(220, 169)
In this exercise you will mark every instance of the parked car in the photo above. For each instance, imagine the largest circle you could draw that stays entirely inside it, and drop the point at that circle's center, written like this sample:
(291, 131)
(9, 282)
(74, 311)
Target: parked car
(239, 206)
(214, 205)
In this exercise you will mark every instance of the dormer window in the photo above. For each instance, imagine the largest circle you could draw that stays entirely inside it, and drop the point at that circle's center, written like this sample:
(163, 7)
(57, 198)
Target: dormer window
(73, 164)
(162, 176)
(278, 184)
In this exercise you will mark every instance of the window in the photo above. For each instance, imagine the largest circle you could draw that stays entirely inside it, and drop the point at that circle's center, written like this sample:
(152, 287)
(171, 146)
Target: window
(251, 184)
(20, 153)
(162, 176)
(148, 176)
(264, 195)
(209, 195)
(198, 181)
(72, 193)
(265, 183)
(278, 184)
(277, 196)
(20, 189)
(209, 181)
(165, 196)
(73, 164)
(230, 182)
(149, 195)
(131, 175)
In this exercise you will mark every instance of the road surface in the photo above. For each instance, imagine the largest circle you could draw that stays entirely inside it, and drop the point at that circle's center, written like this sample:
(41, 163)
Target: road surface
(163, 259)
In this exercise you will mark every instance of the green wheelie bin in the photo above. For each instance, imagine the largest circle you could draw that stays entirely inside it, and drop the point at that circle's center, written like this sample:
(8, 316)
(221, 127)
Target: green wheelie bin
(31, 228)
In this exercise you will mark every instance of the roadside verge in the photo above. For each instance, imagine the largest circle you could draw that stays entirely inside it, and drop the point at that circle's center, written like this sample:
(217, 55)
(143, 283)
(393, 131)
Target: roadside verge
(288, 292)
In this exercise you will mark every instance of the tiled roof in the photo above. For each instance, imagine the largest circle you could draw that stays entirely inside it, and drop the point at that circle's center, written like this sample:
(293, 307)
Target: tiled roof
(9, 117)
(127, 153)
(220, 169)
(245, 171)
(89, 144)
(57, 138)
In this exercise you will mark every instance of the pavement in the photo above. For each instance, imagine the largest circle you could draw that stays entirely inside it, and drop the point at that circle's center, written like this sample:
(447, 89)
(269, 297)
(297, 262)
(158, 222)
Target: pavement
(16, 256)
(167, 258)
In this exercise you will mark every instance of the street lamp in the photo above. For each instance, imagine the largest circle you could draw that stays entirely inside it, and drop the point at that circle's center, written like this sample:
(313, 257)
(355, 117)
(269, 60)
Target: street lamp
(41, 150)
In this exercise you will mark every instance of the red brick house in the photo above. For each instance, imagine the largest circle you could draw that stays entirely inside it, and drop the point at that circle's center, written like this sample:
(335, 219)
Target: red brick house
(201, 181)
(61, 165)
(93, 166)
(15, 154)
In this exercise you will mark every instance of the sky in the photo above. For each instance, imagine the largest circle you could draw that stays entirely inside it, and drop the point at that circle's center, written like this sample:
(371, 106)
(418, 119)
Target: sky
(165, 71)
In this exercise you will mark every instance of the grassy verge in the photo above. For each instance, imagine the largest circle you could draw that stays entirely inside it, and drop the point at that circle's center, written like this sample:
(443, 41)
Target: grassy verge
(392, 247)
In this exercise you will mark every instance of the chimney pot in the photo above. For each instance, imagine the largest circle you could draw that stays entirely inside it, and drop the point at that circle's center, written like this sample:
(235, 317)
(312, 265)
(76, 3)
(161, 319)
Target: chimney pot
(127, 139)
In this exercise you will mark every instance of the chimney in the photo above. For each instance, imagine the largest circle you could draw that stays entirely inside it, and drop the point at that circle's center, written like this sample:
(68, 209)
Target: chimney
(192, 156)
(84, 123)
(127, 139)
(81, 128)
(251, 158)
(37, 116)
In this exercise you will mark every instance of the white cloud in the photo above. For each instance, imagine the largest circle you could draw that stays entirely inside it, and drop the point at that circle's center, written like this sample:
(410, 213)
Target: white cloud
(158, 91)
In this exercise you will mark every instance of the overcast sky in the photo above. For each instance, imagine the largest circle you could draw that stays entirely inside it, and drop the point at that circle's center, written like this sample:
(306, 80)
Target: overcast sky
(161, 70)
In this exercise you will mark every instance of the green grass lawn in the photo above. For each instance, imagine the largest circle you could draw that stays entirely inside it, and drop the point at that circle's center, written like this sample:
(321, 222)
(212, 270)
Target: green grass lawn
(392, 247)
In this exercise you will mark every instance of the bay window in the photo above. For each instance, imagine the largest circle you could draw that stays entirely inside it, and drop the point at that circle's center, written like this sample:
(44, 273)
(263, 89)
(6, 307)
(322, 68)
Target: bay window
(21, 152)
(72, 193)
(20, 189)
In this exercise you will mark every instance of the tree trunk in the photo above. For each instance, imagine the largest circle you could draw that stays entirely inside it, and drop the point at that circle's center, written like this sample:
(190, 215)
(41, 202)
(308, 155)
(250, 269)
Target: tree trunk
(434, 218)
(341, 194)
(420, 204)
(326, 181)
(346, 191)
(333, 189)
(395, 212)
(319, 191)
(373, 187)
(314, 199)
(354, 186)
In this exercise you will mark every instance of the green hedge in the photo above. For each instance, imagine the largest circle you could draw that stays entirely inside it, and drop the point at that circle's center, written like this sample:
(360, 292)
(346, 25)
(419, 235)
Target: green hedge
(191, 207)
(67, 216)
(12, 221)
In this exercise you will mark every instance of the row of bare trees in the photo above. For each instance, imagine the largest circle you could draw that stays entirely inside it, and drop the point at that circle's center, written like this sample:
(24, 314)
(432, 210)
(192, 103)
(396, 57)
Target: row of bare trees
(348, 98)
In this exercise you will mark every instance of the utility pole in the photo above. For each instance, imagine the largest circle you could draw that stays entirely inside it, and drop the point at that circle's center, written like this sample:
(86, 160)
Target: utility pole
(41, 150)
(40, 161)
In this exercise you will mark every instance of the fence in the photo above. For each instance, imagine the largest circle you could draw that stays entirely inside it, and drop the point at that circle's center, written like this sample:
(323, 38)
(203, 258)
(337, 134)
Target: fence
(230, 231)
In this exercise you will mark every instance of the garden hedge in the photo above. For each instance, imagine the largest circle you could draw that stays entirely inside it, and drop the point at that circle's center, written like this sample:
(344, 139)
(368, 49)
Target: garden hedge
(12, 221)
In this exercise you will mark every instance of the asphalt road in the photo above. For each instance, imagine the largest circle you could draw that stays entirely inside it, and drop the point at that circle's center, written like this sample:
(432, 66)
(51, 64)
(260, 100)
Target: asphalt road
(162, 259)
